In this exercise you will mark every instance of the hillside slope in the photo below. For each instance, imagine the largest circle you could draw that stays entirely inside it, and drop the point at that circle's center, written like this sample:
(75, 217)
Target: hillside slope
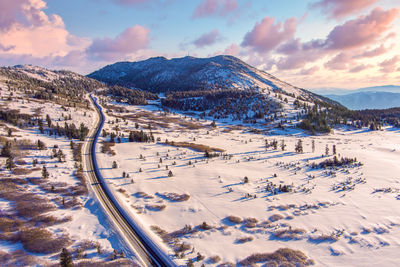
(189, 73)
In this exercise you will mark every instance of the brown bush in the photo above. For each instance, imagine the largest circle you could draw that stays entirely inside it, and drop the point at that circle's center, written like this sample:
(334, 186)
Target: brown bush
(155, 207)
(20, 162)
(281, 257)
(174, 196)
(49, 220)
(115, 263)
(296, 233)
(54, 187)
(29, 205)
(143, 195)
(10, 224)
(245, 239)
(324, 238)
(121, 190)
(234, 219)
(275, 217)
(40, 240)
(195, 147)
(72, 203)
(213, 259)
(18, 258)
(106, 148)
(160, 232)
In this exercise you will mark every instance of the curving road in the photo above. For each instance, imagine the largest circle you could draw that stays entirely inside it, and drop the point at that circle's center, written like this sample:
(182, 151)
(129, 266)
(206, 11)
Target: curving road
(148, 251)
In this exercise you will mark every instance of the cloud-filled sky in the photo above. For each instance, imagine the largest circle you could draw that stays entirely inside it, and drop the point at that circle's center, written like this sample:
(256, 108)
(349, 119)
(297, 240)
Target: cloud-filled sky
(309, 43)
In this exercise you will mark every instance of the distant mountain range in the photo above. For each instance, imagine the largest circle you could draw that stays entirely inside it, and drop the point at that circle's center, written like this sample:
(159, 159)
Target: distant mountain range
(376, 97)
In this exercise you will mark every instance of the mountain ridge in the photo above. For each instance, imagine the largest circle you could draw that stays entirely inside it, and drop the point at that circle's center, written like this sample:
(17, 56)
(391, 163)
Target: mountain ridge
(190, 73)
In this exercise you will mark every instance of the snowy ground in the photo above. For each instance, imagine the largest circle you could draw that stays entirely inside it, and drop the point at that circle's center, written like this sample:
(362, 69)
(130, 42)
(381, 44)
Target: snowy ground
(336, 217)
(84, 220)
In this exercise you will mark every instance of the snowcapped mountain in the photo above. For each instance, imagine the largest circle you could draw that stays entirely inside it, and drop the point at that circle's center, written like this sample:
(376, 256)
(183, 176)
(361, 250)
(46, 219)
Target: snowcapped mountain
(159, 74)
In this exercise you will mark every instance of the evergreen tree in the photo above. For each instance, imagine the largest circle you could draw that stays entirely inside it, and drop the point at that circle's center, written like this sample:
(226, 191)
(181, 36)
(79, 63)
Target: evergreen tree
(6, 150)
(313, 145)
(41, 145)
(334, 149)
(45, 173)
(326, 150)
(114, 165)
(10, 163)
(283, 145)
(48, 120)
(299, 146)
(66, 258)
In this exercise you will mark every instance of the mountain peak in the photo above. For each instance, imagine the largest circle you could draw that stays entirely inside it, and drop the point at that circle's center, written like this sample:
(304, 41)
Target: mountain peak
(159, 74)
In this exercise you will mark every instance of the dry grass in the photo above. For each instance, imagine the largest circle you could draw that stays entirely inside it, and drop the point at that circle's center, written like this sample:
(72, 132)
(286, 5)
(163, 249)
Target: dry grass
(49, 220)
(18, 258)
(174, 196)
(288, 234)
(115, 263)
(155, 207)
(250, 222)
(10, 224)
(243, 240)
(29, 205)
(234, 219)
(281, 257)
(106, 148)
(142, 194)
(276, 217)
(213, 259)
(232, 128)
(195, 147)
(40, 240)
(324, 238)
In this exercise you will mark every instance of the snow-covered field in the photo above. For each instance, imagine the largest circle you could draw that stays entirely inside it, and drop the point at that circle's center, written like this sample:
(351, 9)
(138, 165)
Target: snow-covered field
(77, 217)
(345, 216)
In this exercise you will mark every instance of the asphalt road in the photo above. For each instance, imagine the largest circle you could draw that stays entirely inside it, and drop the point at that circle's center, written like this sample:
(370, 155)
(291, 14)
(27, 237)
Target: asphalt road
(144, 247)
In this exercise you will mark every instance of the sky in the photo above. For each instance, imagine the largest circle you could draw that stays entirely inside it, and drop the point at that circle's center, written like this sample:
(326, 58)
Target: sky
(308, 43)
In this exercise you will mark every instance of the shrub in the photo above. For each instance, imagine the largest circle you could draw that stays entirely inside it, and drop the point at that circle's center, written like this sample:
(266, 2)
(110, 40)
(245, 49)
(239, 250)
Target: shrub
(10, 224)
(245, 239)
(174, 196)
(30, 205)
(275, 217)
(155, 207)
(18, 258)
(234, 219)
(40, 240)
(213, 259)
(296, 233)
(21, 171)
(281, 257)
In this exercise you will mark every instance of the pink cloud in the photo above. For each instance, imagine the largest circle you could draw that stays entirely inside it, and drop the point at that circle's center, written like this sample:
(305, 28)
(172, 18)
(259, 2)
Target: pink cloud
(380, 50)
(341, 8)
(25, 29)
(389, 65)
(267, 35)
(361, 31)
(129, 41)
(347, 38)
(232, 50)
(309, 71)
(209, 8)
(359, 68)
(207, 39)
(339, 62)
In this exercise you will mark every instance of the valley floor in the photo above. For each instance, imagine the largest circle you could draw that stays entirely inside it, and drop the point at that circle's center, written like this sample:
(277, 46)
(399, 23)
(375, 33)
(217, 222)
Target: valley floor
(229, 207)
